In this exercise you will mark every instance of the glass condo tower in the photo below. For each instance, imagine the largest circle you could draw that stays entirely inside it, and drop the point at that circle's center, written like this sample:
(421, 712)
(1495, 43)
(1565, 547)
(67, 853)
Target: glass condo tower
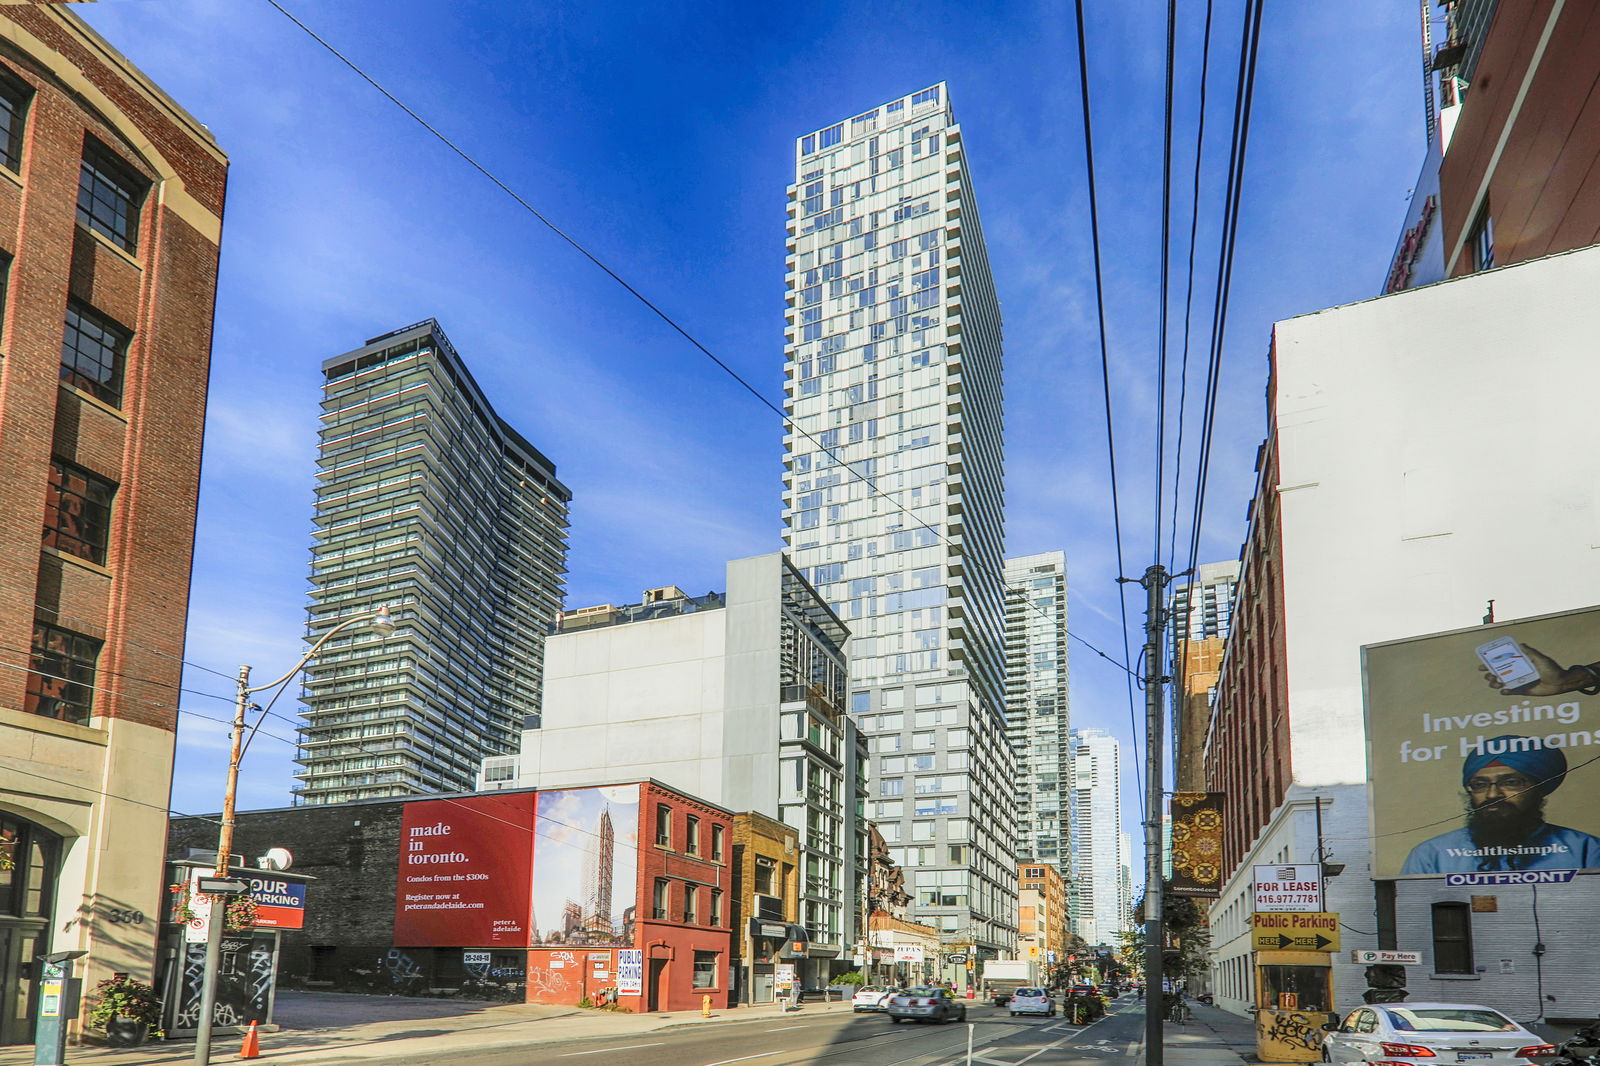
(894, 490)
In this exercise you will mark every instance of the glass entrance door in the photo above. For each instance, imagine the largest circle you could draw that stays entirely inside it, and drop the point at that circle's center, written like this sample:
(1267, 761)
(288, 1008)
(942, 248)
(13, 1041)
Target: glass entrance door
(29, 855)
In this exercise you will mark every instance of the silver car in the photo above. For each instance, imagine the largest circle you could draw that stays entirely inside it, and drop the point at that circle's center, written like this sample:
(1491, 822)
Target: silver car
(926, 1005)
(1431, 1034)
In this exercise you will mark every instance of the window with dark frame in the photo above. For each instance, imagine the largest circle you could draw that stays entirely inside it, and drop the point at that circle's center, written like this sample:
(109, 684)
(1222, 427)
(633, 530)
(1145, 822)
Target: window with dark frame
(663, 826)
(691, 904)
(1452, 938)
(1482, 240)
(705, 969)
(691, 835)
(93, 351)
(716, 908)
(61, 674)
(660, 900)
(15, 96)
(716, 843)
(77, 511)
(109, 195)
(766, 876)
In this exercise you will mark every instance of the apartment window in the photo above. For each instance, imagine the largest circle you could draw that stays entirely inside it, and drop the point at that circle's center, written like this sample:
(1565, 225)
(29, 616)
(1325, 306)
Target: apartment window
(77, 511)
(717, 833)
(691, 835)
(1452, 938)
(660, 900)
(716, 908)
(1482, 240)
(663, 826)
(109, 195)
(691, 904)
(766, 876)
(61, 674)
(705, 969)
(93, 349)
(15, 95)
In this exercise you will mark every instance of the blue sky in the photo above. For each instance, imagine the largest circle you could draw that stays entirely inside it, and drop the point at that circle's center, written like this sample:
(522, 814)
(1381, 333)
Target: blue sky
(661, 137)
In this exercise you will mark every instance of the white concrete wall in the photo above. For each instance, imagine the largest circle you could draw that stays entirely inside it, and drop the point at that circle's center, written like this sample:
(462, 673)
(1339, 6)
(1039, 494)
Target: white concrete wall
(1439, 447)
(632, 701)
(1508, 973)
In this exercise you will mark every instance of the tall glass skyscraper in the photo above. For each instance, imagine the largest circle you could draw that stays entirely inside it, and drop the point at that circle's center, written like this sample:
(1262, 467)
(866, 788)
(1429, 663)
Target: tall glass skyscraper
(894, 492)
(429, 503)
(1100, 889)
(1037, 722)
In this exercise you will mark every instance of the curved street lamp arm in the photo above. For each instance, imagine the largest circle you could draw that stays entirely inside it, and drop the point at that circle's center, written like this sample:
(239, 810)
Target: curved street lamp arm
(381, 612)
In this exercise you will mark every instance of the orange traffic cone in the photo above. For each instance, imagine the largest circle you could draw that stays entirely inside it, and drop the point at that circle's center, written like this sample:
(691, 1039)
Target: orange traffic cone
(252, 1044)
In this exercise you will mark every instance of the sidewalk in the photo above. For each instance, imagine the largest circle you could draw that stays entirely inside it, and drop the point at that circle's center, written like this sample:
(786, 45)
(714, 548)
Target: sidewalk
(327, 1027)
(1212, 1037)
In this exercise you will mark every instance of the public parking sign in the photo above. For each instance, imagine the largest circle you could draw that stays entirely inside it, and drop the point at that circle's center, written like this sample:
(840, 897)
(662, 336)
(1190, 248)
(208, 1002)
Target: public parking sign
(1299, 931)
(1288, 887)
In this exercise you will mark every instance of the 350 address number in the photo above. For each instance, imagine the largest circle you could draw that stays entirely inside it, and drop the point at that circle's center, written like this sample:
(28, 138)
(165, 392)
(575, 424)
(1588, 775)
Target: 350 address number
(122, 917)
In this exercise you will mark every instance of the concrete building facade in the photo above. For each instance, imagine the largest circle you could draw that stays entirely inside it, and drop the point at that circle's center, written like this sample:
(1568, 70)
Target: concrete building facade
(739, 698)
(894, 486)
(431, 504)
(1098, 883)
(111, 203)
(1037, 708)
(1365, 530)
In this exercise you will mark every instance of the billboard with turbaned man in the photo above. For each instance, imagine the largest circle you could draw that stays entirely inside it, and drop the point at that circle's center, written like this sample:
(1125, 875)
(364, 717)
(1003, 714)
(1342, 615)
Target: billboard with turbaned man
(1483, 750)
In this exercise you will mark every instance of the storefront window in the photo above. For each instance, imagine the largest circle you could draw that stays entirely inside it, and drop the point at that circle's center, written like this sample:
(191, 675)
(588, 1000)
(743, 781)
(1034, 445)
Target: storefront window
(705, 969)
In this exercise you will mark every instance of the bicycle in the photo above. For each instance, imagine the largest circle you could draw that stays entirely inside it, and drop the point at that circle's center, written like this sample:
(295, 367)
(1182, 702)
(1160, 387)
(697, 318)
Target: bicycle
(1179, 1012)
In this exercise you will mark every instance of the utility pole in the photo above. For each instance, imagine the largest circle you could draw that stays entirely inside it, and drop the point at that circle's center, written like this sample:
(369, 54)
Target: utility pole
(1155, 586)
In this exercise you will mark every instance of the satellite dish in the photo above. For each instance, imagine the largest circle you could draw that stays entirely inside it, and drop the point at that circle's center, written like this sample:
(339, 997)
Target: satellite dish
(276, 859)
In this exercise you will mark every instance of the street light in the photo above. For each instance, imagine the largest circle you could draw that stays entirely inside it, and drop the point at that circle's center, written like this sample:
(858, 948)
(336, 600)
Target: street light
(381, 624)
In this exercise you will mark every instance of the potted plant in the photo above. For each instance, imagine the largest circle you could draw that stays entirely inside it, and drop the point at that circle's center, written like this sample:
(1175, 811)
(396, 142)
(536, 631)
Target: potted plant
(125, 1009)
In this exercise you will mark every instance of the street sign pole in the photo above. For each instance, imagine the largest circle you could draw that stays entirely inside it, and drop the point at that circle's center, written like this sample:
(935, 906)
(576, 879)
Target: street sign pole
(1155, 584)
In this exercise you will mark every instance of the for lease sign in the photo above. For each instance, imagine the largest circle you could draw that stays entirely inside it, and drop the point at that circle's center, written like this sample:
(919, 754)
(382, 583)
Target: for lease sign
(1288, 887)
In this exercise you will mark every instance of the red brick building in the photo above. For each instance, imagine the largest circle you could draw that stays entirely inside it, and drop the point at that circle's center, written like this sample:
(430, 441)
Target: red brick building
(617, 893)
(684, 919)
(1520, 178)
(111, 201)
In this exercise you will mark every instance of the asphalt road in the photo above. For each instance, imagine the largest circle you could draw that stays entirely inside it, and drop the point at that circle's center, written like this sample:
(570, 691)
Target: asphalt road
(849, 1040)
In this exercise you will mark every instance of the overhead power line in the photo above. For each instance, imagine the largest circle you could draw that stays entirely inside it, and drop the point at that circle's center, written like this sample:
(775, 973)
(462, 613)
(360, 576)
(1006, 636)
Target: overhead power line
(673, 324)
(1105, 374)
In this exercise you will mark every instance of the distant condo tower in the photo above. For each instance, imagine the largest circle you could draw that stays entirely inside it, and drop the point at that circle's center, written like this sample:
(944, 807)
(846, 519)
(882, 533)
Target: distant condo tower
(894, 491)
(429, 503)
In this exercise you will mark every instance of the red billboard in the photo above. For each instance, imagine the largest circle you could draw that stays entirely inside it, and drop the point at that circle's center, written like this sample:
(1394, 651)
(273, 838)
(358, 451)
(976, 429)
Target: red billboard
(466, 872)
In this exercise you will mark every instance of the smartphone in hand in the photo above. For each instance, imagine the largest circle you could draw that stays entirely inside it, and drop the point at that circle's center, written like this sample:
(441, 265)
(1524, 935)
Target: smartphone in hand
(1505, 659)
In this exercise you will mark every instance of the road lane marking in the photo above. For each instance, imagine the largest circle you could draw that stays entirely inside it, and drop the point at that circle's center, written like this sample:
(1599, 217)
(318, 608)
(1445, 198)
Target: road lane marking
(785, 1028)
(746, 1058)
(598, 1051)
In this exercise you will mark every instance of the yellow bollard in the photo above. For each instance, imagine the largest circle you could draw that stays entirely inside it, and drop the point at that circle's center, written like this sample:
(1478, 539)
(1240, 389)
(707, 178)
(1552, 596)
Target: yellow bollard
(705, 1006)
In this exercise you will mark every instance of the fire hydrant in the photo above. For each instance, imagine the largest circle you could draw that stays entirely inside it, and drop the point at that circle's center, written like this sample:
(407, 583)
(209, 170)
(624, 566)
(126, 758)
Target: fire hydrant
(705, 1006)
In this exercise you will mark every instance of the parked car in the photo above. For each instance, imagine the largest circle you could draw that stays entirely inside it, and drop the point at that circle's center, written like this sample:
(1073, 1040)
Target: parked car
(1032, 1001)
(871, 997)
(1431, 1034)
(925, 1004)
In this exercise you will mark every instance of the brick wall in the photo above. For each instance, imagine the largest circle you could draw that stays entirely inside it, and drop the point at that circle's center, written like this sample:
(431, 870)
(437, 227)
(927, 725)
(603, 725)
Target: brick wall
(149, 443)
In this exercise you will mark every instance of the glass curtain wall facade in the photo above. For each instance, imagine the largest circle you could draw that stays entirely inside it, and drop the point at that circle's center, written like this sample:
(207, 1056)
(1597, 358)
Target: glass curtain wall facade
(1098, 901)
(821, 793)
(1037, 721)
(894, 488)
(427, 502)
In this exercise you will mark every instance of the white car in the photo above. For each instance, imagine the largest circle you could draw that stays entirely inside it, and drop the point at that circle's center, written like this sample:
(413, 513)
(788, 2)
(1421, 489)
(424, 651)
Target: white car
(871, 997)
(1431, 1034)
(1032, 1001)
